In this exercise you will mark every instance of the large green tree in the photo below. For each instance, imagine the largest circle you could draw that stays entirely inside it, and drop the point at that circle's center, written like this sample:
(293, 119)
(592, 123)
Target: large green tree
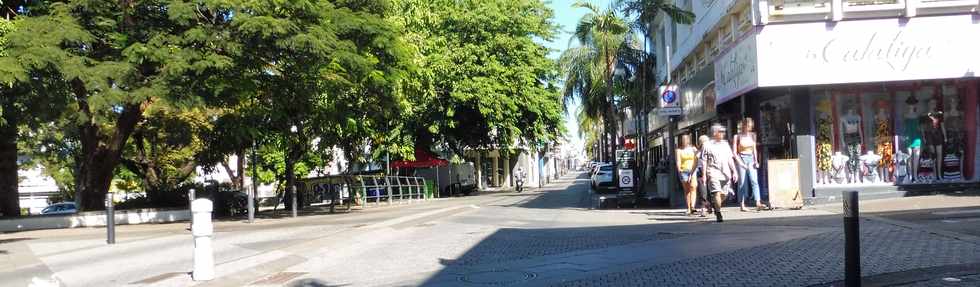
(484, 80)
(322, 73)
(117, 59)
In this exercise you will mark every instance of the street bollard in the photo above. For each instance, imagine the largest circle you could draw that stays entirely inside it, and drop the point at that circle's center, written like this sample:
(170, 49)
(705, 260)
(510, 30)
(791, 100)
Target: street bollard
(110, 219)
(852, 240)
(202, 230)
(293, 192)
(190, 203)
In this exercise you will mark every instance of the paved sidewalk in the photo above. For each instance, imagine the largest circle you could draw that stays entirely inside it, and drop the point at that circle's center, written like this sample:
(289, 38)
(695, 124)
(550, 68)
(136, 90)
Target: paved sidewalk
(544, 237)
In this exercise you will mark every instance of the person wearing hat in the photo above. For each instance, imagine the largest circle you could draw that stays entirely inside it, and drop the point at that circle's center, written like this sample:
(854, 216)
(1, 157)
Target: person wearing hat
(719, 168)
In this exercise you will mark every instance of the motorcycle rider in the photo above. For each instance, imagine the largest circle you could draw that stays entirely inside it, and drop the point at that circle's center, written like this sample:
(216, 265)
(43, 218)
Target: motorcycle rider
(519, 179)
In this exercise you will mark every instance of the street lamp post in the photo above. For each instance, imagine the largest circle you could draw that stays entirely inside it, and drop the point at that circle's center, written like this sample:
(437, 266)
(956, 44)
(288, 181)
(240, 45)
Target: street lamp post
(292, 186)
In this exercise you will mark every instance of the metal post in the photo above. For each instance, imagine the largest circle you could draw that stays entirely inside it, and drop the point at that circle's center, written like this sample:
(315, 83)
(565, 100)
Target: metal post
(110, 219)
(852, 240)
(391, 197)
(292, 190)
(190, 201)
(202, 231)
(255, 185)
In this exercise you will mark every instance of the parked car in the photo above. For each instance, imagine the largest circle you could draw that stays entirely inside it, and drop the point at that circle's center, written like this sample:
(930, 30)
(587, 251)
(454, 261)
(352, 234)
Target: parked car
(602, 180)
(60, 208)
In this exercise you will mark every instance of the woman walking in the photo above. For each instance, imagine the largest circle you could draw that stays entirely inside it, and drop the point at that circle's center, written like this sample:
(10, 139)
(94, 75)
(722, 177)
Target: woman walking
(748, 168)
(686, 155)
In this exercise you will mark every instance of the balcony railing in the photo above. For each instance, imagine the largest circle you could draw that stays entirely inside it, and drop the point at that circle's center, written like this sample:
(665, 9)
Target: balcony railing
(815, 10)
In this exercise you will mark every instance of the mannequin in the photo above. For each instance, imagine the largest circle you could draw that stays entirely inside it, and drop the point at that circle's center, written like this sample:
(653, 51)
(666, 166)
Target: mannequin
(934, 134)
(824, 146)
(852, 136)
(902, 167)
(871, 162)
(838, 161)
(883, 141)
(913, 138)
(955, 135)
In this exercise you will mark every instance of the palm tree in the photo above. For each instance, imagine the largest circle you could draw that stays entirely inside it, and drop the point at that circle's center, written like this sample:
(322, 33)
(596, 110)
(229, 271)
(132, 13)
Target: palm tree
(642, 14)
(607, 41)
(589, 67)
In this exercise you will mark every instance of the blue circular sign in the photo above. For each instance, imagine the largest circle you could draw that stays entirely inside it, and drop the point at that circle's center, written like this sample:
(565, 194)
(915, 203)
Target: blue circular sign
(669, 96)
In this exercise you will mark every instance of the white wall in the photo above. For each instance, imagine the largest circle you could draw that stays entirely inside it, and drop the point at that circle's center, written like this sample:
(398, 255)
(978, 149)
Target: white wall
(93, 219)
(707, 15)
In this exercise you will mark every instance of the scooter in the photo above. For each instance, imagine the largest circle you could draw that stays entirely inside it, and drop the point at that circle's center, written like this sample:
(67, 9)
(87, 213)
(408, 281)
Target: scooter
(520, 184)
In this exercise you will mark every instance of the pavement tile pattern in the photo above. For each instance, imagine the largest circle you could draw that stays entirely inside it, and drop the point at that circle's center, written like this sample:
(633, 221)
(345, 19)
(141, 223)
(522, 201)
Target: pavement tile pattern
(517, 244)
(809, 261)
(969, 280)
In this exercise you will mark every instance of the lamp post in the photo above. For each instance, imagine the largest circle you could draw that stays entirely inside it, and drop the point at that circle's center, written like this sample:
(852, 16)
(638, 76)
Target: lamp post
(292, 185)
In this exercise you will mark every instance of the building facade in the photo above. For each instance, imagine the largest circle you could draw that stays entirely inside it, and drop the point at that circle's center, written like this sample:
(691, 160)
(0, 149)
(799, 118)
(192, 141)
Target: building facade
(878, 96)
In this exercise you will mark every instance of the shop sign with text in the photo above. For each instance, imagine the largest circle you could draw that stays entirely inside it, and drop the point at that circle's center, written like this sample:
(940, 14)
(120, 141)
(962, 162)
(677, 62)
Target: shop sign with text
(736, 70)
(868, 51)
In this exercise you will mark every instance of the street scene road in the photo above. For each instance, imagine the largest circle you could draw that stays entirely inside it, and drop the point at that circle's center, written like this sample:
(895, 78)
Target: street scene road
(545, 237)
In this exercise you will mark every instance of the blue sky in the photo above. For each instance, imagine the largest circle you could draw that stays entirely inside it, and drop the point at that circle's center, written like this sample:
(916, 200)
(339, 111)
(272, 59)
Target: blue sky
(566, 16)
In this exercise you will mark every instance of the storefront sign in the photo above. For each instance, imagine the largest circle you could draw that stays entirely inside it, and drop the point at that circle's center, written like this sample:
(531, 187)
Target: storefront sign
(892, 49)
(736, 71)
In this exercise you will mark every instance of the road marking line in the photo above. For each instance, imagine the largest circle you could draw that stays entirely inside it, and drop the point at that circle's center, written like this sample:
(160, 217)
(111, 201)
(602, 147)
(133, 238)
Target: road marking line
(960, 220)
(955, 212)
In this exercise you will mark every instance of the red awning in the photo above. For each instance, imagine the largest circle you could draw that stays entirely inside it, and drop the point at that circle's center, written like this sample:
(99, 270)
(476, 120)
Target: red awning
(423, 159)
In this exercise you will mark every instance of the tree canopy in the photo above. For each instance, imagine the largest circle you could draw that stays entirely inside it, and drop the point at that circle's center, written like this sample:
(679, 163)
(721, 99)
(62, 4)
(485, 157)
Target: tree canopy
(152, 89)
(483, 78)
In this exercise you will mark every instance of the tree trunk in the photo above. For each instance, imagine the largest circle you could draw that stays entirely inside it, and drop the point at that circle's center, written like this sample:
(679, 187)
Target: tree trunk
(240, 172)
(101, 155)
(9, 195)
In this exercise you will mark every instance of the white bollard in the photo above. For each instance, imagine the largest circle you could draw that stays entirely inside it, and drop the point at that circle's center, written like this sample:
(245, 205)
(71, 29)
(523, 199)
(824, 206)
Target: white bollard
(203, 231)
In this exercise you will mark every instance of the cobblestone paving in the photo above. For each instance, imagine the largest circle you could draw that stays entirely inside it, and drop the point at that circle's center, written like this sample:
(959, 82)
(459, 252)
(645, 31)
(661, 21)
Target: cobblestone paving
(807, 261)
(516, 244)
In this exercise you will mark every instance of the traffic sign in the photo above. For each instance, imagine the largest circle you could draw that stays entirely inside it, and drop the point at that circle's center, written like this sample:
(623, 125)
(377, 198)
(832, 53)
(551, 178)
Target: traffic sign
(670, 111)
(625, 178)
(669, 97)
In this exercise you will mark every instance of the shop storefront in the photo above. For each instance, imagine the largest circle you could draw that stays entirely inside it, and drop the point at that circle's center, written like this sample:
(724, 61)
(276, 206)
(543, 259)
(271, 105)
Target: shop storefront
(865, 103)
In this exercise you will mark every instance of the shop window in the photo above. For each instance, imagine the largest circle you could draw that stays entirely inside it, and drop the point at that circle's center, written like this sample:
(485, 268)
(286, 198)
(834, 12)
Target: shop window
(890, 135)
(775, 129)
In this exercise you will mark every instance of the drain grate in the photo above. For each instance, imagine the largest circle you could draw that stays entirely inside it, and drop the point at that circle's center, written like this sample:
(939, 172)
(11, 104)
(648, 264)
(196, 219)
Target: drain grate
(158, 278)
(278, 278)
(497, 277)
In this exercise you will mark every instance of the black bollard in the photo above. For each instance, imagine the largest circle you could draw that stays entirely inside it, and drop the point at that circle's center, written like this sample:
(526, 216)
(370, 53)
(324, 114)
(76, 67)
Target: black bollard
(110, 219)
(852, 240)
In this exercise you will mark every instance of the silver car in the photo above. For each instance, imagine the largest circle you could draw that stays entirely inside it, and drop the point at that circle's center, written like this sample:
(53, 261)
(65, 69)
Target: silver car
(60, 208)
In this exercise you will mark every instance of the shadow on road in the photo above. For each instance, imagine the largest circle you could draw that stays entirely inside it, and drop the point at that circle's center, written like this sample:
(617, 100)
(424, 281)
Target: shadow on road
(314, 283)
(514, 256)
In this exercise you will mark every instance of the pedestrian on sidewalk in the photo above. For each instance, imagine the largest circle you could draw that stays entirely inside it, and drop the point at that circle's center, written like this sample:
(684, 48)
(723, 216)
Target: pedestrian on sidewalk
(719, 162)
(702, 187)
(686, 155)
(748, 164)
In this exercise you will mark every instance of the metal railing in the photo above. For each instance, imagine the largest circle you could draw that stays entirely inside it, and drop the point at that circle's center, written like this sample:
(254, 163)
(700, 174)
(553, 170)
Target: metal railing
(391, 189)
(362, 190)
(819, 10)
